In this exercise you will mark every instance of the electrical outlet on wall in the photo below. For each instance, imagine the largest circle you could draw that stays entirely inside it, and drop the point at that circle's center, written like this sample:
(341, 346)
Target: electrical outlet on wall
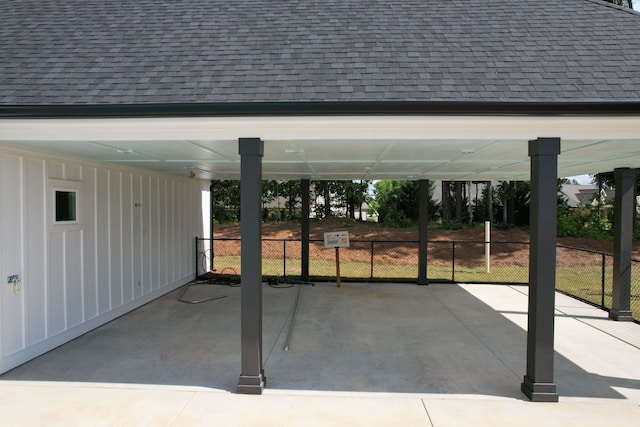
(14, 280)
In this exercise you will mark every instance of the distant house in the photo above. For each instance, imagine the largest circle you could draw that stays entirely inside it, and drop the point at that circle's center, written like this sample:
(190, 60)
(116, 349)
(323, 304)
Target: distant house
(581, 195)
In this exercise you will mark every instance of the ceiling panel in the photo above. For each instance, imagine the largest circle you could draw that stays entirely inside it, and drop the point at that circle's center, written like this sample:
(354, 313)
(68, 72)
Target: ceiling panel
(431, 149)
(599, 149)
(318, 150)
(285, 167)
(87, 149)
(404, 168)
(469, 148)
(499, 151)
(176, 150)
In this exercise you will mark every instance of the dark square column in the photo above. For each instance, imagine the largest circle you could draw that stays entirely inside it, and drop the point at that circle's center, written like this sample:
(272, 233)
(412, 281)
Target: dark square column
(305, 231)
(252, 377)
(423, 233)
(622, 244)
(538, 382)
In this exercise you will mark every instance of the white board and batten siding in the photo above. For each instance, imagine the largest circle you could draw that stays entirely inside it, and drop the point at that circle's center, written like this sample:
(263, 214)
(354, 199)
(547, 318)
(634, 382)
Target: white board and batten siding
(132, 241)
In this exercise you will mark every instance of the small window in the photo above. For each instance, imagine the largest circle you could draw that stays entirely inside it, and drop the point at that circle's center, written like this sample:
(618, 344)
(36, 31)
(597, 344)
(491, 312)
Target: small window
(66, 206)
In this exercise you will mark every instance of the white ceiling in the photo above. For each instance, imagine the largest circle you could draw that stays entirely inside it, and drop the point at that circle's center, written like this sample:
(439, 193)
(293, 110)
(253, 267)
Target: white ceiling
(339, 147)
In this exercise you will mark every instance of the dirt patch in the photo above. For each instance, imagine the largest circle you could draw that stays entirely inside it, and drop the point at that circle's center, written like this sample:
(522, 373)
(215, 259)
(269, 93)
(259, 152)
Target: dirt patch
(509, 248)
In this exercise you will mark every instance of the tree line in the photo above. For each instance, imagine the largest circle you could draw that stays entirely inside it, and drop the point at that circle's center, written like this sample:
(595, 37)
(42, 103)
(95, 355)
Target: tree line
(461, 203)
(281, 200)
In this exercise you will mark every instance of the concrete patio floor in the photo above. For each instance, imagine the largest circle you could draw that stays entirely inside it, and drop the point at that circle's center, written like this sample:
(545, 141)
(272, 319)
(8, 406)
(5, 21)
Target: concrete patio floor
(362, 354)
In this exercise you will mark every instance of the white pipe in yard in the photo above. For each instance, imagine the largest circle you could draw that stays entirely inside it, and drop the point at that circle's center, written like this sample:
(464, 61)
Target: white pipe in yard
(487, 245)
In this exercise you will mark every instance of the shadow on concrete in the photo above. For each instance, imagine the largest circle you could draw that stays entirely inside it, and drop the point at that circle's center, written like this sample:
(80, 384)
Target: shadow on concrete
(395, 338)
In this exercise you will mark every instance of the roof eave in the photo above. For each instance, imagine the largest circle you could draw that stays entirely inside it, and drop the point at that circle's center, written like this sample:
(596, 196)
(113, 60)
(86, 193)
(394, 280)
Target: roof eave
(319, 108)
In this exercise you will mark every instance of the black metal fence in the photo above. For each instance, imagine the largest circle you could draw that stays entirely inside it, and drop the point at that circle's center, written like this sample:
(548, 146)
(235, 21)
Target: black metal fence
(589, 277)
(584, 274)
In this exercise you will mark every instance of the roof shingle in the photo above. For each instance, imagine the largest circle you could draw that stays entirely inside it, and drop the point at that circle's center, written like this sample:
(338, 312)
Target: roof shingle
(220, 51)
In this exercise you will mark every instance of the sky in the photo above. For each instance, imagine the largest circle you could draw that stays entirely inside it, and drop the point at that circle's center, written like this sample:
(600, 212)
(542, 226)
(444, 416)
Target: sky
(582, 179)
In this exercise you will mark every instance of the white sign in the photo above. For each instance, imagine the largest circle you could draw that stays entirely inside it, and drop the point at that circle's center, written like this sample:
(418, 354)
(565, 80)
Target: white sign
(336, 239)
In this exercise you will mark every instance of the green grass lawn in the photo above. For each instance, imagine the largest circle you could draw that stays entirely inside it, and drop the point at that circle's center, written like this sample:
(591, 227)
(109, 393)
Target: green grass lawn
(584, 282)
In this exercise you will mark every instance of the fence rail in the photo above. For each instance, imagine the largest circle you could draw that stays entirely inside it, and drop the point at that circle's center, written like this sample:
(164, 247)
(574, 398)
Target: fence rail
(582, 273)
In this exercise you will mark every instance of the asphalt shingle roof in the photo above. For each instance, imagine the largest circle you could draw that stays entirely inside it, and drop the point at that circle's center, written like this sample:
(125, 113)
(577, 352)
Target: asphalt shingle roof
(225, 51)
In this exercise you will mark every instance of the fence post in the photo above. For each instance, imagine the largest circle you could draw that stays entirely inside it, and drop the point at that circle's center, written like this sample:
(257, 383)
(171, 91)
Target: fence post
(196, 259)
(604, 276)
(453, 261)
(371, 277)
(284, 260)
(487, 245)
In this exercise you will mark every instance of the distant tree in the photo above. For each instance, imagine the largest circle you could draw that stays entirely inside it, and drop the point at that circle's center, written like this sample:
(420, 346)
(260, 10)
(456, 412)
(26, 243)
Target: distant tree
(607, 180)
(603, 179)
(226, 197)
(293, 192)
(269, 191)
(397, 202)
(446, 201)
(488, 203)
(326, 192)
(344, 196)
(461, 200)
(517, 195)
(623, 3)
(354, 193)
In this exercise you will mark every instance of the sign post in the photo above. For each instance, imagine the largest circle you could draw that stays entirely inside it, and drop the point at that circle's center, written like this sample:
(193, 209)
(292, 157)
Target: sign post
(337, 239)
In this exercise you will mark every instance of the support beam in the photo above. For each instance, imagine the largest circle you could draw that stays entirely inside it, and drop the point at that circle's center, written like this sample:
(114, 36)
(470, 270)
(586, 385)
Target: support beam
(538, 382)
(252, 378)
(622, 244)
(305, 230)
(423, 233)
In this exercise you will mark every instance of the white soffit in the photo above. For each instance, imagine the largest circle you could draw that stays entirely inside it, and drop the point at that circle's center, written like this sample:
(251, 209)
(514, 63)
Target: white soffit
(340, 147)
